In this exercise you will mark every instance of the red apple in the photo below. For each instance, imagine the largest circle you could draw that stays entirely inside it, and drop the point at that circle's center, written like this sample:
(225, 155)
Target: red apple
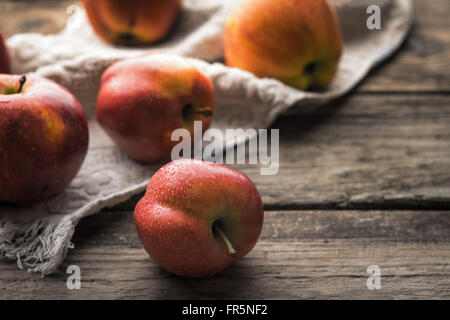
(198, 217)
(143, 100)
(298, 42)
(43, 139)
(4, 56)
(132, 22)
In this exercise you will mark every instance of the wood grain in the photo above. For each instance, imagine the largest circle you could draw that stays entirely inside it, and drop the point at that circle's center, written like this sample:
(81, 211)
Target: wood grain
(43, 16)
(423, 63)
(362, 152)
(365, 151)
(385, 147)
(301, 254)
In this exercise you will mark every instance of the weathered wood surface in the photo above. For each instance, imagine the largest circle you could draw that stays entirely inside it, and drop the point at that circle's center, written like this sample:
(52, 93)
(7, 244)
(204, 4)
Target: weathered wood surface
(366, 151)
(43, 16)
(385, 147)
(421, 66)
(301, 254)
(423, 63)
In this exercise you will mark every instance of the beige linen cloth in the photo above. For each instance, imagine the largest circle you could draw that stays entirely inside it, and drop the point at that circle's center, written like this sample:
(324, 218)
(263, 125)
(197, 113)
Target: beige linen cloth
(39, 237)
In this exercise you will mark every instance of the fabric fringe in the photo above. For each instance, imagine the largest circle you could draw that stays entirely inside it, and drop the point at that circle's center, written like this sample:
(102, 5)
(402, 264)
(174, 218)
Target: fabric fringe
(39, 246)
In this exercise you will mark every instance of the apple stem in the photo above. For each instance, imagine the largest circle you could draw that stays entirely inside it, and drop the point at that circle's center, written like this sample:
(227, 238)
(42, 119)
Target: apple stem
(22, 82)
(227, 242)
(206, 112)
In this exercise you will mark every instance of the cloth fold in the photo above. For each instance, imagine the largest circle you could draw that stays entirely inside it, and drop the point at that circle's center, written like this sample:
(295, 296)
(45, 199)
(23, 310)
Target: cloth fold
(39, 237)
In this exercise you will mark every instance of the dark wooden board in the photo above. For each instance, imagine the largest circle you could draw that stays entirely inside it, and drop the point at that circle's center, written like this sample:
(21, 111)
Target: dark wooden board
(385, 147)
(365, 151)
(301, 254)
(422, 65)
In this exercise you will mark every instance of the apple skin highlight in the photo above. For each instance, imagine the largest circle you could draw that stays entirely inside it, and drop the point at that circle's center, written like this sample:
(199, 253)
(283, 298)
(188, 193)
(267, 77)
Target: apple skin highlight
(43, 139)
(295, 41)
(184, 202)
(132, 22)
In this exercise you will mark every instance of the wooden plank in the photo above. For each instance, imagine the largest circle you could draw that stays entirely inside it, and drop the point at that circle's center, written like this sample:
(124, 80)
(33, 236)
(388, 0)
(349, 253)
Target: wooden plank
(365, 151)
(301, 255)
(362, 152)
(422, 65)
(43, 16)
(368, 151)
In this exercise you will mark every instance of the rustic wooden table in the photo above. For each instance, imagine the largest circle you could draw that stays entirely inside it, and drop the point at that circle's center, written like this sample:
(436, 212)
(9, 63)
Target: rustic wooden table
(363, 181)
